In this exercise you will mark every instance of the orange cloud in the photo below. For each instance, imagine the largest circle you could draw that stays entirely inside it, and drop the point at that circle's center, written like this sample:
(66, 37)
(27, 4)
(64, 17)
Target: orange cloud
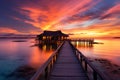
(84, 18)
(8, 30)
(97, 30)
(46, 19)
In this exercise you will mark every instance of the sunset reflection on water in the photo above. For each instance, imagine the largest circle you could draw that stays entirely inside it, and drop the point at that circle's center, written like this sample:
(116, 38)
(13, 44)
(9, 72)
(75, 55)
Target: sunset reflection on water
(39, 56)
(17, 54)
(110, 50)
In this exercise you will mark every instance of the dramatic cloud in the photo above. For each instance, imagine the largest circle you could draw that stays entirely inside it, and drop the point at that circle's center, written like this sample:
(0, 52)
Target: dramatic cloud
(100, 17)
(4, 30)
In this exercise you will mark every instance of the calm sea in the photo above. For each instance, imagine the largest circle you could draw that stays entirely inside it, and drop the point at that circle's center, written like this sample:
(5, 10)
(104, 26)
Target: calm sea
(108, 49)
(14, 54)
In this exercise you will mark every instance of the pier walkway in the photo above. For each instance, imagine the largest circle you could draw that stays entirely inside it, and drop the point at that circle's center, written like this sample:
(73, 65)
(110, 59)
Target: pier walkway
(67, 66)
(68, 63)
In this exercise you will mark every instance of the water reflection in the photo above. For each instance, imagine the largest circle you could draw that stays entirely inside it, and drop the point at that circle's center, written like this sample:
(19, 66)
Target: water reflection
(109, 50)
(48, 47)
(105, 57)
(82, 44)
(41, 53)
(19, 54)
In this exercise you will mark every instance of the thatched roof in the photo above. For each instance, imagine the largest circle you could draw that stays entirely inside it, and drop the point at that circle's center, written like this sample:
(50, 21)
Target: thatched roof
(53, 33)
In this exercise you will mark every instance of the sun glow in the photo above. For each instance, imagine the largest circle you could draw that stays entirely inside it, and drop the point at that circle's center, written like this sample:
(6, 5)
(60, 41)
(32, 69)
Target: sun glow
(46, 27)
(85, 19)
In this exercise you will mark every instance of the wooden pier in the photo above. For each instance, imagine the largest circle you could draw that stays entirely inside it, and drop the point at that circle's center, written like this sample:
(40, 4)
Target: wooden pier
(67, 66)
(68, 63)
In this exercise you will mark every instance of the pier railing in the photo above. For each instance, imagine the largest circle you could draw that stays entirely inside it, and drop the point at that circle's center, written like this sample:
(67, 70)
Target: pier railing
(92, 72)
(44, 70)
(83, 40)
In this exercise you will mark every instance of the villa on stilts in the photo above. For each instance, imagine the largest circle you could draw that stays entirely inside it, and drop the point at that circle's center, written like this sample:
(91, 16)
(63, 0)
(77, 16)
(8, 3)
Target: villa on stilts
(51, 37)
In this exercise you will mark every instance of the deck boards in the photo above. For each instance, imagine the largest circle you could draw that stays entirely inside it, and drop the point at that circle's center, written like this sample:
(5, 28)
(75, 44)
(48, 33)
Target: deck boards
(67, 66)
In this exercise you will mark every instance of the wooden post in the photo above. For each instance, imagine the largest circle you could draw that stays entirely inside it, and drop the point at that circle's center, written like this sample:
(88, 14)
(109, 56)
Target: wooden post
(75, 52)
(81, 58)
(46, 72)
(56, 55)
(52, 62)
(51, 65)
(94, 75)
(85, 66)
(78, 55)
(54, 58)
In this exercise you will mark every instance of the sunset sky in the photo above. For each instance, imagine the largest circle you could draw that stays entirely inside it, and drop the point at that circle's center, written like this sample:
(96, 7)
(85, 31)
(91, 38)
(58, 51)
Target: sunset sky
(83, 18)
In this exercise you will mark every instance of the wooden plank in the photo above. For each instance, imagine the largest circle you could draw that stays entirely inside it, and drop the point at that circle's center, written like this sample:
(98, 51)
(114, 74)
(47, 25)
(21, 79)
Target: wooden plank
(67, 66)
(68, 78)
(67, 72)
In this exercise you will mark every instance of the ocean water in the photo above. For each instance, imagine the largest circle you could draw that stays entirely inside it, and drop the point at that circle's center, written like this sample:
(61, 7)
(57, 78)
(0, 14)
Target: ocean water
(108, 49)
(14, 54)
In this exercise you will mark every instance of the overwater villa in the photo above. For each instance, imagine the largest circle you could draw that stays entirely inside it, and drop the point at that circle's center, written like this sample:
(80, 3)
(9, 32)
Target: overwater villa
(51, 36)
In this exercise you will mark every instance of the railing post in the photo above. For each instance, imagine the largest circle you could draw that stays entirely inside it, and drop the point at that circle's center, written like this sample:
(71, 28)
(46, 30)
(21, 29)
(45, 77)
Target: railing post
(54, 58)
(52, 62)
(50, 65)
(94, 75)
(86, 66)
(46, 72)
(76, 52)
(81, 58)
(56, 55)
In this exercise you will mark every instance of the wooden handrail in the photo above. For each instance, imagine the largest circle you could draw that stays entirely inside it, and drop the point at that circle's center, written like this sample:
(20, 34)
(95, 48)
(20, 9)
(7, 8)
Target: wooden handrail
(96, 72)
(45, 66)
